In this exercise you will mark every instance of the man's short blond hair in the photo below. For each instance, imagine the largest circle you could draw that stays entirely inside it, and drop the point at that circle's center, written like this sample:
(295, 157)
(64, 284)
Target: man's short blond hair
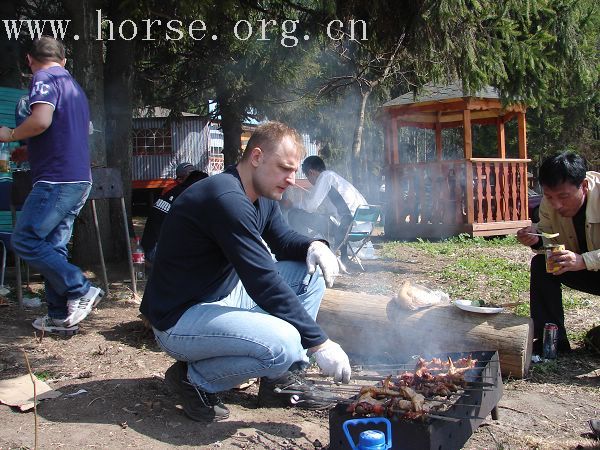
(269, 134)
(47, 49)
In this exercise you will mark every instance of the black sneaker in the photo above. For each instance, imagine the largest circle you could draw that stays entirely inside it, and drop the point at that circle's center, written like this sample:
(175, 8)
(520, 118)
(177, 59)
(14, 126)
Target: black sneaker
(292, 389)
(197, 404)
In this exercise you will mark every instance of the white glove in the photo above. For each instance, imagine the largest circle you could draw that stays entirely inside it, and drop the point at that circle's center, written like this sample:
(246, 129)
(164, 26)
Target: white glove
(333, 361)
(319, 254)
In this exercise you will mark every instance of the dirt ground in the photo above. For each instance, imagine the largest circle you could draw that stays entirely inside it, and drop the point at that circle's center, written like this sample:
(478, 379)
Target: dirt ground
(126, 405)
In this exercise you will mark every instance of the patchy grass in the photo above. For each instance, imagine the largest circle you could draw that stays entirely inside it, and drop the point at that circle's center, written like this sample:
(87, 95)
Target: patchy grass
(506, 281)
(44, 375)
(453, 245)
(493, 270)
(476, 268)
(573, 299)
(577, 336)
(539, 372)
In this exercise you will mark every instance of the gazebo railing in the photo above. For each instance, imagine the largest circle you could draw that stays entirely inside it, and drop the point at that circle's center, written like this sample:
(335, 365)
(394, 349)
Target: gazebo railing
(431, 192)
(436, 192)
(499, 190)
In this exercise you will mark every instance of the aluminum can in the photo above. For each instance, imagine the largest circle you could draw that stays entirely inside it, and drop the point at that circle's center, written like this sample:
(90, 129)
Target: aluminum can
(549, 250)
(550, 338)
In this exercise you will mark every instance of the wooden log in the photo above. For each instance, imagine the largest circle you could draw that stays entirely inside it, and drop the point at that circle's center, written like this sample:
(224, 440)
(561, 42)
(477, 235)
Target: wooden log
(372, 329)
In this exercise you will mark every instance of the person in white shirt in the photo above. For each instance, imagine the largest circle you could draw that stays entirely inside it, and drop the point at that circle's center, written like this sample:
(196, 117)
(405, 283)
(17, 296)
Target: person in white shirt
(329, 207)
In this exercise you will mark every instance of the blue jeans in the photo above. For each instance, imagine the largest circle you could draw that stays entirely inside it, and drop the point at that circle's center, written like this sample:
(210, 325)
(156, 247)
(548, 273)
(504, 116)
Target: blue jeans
(229, 341)
(41, 235)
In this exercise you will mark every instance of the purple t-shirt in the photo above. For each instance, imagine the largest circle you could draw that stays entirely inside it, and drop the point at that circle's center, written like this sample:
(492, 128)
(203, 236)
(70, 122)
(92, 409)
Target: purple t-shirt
(61, 153)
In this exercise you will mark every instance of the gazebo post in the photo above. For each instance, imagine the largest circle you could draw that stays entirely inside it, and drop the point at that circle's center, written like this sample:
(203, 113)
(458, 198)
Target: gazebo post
(468, 152)
(501, 137)
(467, 135)
(438, 136)
(522, 122)
(522, 135)
(395, 150)
(388, 142)
(395, 182)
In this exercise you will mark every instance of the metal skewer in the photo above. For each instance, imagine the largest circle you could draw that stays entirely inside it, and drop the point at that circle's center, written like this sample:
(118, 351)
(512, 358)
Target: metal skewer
(411, 365)
(382, 378)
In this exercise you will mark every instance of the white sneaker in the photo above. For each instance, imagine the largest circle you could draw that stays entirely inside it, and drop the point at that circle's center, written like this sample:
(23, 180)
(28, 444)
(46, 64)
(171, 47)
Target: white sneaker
(54, 326)
(80, 308)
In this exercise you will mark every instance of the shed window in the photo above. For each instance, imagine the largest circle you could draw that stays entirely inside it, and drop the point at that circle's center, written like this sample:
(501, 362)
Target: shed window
(152, 141)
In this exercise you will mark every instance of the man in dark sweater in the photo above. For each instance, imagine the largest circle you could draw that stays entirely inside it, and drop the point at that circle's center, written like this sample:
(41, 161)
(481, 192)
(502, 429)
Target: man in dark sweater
(217, 300)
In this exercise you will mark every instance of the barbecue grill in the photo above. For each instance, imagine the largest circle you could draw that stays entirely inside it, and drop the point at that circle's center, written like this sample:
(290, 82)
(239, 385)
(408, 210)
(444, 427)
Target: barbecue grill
(446, 428)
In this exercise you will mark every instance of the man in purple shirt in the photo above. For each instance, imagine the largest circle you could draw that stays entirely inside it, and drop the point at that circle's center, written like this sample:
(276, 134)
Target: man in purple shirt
(57, 132)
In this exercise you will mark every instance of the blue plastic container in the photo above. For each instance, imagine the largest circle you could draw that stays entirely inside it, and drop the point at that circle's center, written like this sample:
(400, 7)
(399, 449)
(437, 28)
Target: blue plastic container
(370, 439)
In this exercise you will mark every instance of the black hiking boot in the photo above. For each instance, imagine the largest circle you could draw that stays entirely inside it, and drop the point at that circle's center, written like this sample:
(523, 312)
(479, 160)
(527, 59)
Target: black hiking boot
(292, 389)
(197, 404)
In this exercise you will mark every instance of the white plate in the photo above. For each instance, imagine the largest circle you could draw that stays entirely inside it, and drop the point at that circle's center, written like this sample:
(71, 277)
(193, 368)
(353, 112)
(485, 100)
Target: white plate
(466, 306)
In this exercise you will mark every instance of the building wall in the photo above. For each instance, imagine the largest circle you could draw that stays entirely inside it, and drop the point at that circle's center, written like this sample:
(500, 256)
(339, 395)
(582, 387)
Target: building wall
(189, 143)
(193, 139)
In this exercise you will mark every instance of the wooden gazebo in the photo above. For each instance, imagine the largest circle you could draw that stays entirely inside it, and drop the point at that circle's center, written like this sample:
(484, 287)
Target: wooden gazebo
(446, 196)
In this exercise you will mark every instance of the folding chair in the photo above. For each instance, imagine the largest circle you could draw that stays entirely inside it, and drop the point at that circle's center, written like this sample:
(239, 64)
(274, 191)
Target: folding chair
(360, 230)
(6, 224)
(12, 196)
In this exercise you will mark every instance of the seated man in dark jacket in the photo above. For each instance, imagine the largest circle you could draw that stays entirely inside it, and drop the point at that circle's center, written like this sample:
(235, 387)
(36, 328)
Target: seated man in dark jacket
(159, 211)
(571, 209)
(221, 305)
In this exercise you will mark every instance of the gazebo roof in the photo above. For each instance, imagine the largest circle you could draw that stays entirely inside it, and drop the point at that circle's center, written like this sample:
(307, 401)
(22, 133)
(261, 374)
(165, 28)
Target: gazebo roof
(432, 93)
(445, 106)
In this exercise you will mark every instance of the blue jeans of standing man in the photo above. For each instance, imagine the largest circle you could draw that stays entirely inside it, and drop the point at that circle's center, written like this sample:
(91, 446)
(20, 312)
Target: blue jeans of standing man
(41, 235)
(228, 341)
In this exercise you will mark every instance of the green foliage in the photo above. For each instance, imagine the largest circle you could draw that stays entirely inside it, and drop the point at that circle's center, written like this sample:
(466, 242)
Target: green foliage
(44, 375)
(541, 52)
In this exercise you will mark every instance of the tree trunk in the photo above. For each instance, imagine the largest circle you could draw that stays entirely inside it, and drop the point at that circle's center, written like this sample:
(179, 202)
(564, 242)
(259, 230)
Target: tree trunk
(231, 124)
(10, 72)
(87, 68)
(357, 141)
(118, 85)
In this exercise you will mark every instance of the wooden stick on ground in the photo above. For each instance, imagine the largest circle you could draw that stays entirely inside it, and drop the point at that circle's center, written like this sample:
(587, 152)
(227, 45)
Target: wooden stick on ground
(35, 419)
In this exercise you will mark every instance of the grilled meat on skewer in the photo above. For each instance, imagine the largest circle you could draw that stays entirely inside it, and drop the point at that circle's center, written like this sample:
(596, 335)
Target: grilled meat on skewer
(407, 393)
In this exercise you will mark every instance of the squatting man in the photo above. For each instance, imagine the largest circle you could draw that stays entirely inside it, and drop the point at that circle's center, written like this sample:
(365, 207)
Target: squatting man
(218, 301)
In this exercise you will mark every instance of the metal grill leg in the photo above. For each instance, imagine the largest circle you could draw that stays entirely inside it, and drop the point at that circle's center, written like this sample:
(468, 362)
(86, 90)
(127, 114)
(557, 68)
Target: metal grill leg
(128, 243)
(19, 281)
(3, 263)
(100, 251)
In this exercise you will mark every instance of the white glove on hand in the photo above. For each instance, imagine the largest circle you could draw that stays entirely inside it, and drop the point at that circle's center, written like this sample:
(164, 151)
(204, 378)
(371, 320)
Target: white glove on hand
(333, 361)
(319, 254)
